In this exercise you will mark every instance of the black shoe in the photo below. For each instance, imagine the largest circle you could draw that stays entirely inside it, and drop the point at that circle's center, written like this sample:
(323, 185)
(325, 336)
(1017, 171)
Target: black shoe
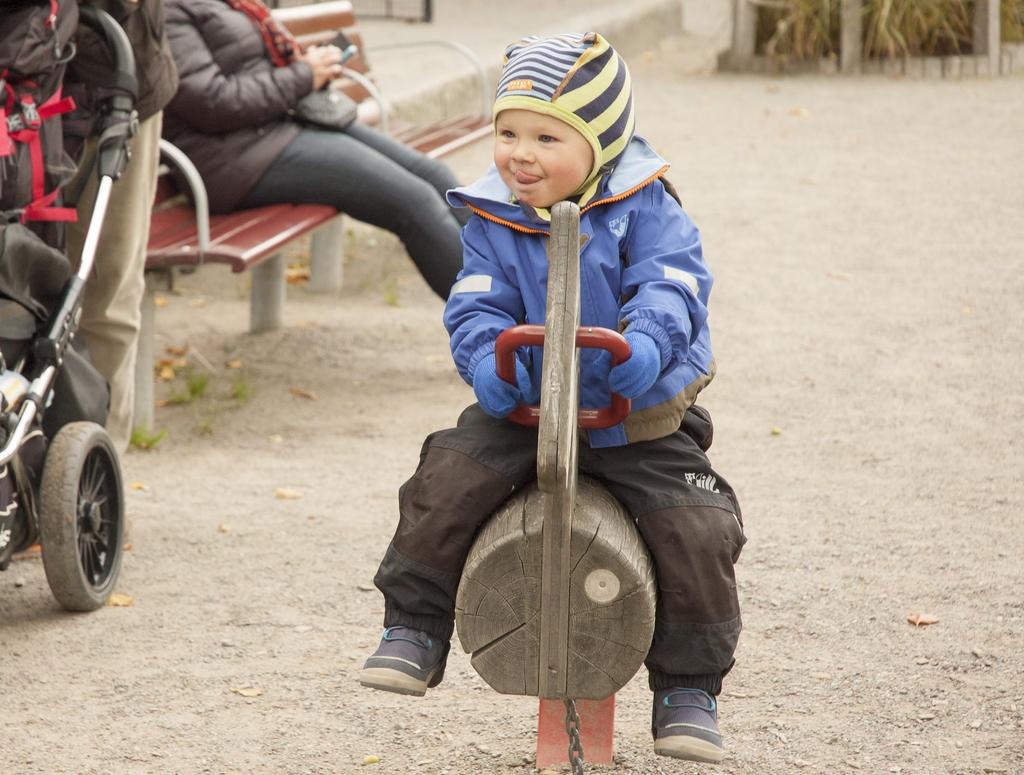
(407, 661)
(685, 725)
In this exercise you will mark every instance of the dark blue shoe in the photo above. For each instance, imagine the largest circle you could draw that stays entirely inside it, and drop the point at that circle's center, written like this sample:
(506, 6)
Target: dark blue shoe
(407, 661)
(685, 725)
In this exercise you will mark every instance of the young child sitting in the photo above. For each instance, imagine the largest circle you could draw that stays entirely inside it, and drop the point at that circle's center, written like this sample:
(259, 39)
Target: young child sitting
(564, 130)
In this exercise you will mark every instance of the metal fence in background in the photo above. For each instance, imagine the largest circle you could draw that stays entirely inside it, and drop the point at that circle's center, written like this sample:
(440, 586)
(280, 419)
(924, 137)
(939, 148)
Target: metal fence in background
(406, 10)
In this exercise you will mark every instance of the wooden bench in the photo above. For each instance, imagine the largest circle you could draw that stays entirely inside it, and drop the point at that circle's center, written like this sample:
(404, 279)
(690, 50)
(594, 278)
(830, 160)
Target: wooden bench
(183, 234)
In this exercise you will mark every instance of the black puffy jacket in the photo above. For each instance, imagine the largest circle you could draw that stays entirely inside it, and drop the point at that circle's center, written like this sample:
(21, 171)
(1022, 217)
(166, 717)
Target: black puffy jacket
(143, 21)
(231, 112)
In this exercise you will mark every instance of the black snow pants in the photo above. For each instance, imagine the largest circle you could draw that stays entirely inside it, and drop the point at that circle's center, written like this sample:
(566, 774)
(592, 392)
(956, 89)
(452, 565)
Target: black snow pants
(686, 513)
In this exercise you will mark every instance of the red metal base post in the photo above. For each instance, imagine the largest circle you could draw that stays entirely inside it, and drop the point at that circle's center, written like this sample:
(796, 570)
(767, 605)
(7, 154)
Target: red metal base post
(597, 725)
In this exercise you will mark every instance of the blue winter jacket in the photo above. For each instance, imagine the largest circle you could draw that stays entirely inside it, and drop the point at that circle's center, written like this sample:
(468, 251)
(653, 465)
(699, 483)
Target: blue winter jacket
(641, 267)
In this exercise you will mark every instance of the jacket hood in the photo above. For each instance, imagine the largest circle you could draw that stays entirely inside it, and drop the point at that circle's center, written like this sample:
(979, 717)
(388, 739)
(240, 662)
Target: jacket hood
(491, 198)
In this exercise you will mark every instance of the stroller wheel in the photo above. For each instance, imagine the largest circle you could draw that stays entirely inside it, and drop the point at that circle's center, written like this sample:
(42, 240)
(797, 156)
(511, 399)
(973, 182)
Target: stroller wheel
(81, 516)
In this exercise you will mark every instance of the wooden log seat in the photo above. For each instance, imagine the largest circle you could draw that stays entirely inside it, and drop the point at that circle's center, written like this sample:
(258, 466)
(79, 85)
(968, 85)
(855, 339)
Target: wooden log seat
(612, 596)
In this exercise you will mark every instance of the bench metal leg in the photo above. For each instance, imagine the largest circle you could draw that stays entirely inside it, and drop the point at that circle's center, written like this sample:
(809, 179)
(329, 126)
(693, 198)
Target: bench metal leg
(266, 311)
(143, 417)
(327, 257)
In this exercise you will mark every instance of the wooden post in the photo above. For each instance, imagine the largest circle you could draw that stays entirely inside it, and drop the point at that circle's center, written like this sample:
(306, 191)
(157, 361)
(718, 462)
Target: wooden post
(986, 37)
(558, 593)
(557, 443)
(266, 300)
(326, 257)
(744, 35)
(851, 45)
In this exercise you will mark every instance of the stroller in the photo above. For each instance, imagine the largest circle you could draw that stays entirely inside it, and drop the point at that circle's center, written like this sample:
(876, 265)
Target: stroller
(60, 477)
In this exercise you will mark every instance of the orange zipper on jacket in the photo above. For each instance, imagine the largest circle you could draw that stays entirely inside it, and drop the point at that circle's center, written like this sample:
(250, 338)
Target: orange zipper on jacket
(630, 192)
(503, 222)
(607, 200)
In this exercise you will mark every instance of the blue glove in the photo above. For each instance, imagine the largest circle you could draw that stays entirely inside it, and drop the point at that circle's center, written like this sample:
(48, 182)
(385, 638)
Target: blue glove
(496, 396)
(638, 373)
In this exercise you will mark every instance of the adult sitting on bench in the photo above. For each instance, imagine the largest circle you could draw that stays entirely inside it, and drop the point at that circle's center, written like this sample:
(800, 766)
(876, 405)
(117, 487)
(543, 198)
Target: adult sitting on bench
(242, 76)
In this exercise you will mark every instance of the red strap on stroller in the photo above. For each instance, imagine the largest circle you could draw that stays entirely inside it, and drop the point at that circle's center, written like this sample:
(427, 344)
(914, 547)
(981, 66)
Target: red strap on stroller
(39, 209)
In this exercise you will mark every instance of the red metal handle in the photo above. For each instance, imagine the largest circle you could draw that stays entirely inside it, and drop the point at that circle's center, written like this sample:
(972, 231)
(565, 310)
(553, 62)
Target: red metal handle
(586, 337)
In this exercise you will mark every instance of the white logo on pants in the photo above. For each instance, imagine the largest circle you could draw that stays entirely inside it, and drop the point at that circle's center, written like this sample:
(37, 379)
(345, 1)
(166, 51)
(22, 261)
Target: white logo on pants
(704, 481)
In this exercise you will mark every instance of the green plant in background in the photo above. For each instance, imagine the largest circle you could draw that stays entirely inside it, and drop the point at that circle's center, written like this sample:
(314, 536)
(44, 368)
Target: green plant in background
(798, 29)
(195, 386)
(809, 30)
(389, 292)
(896, 28)
(1012, 20)
(241, 390)
(145, 439)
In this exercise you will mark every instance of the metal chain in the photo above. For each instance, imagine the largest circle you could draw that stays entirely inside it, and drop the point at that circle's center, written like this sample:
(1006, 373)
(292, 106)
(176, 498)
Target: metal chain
(572, 729)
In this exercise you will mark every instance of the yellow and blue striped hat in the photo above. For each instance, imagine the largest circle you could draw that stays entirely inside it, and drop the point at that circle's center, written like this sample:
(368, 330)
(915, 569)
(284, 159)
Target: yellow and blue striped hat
(578, 79)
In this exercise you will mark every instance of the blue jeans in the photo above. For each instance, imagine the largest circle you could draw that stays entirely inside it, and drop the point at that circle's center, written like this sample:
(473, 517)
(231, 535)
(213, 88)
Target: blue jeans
(375, 179)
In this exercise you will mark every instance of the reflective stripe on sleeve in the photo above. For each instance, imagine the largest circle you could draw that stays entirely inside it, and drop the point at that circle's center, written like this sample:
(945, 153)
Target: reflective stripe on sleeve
(474, 283)
(687, 279)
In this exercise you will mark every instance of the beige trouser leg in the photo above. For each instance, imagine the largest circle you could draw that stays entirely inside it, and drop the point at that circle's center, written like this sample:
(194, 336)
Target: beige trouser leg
(113, 294)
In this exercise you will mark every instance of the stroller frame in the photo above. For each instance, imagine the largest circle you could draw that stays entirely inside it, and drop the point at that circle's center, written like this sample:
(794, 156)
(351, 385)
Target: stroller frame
(81, 471)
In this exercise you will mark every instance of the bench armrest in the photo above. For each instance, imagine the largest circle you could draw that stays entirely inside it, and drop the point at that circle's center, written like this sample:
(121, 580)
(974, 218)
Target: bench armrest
(473, 59)
(375, 93)
(197, 191)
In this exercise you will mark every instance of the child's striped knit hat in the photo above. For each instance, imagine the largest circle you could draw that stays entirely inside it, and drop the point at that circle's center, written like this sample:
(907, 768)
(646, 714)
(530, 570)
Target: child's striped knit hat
(578, 79)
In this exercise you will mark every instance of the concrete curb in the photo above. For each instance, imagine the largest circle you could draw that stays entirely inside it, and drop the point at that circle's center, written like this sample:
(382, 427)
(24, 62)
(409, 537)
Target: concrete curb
(633, 30)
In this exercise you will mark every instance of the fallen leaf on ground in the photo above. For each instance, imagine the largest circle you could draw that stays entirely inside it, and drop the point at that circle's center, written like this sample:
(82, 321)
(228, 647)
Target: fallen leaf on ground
(139, 486)
(297, 273)
(302, 393)
(776, 431)
(799, 112)
(160, 301)
(34, 552)
(165, 373)
(922, 620)
(247, 691)
(178, 351)
(234, 363)
(285, 494)
(117, 600)
(371, 759)
(223, 527)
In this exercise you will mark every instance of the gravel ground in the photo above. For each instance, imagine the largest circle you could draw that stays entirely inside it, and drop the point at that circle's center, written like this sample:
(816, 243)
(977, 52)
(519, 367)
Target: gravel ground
(868, 243)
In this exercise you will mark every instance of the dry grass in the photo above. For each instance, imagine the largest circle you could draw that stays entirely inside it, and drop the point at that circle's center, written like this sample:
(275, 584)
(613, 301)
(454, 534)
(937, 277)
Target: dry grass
(1012, 20)
(894, 28)
(798, 29)
(809, 29)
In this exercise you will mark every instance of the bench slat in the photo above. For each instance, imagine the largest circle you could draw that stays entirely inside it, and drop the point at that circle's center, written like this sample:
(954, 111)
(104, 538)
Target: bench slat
(314, 18)
(240, 239)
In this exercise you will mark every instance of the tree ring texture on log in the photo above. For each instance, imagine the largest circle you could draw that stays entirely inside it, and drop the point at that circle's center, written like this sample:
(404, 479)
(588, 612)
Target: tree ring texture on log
(612, 596)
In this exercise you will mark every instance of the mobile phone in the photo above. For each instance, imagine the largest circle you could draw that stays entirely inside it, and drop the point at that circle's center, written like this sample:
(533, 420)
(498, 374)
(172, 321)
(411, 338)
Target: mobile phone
(348, 48)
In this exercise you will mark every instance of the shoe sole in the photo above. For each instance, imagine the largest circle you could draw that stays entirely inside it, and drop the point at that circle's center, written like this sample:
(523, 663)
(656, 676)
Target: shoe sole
(393, 681)
(690, 748)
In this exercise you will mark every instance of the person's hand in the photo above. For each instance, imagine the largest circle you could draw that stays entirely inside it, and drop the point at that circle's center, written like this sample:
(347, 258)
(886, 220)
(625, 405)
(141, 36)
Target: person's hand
(324, 61)
(638, 373)
(496, 396)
